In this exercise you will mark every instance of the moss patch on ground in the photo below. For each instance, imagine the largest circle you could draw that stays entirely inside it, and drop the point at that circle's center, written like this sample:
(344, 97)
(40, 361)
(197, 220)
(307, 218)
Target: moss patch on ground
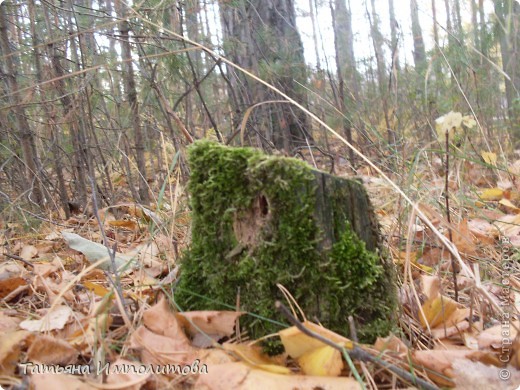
(255, 226)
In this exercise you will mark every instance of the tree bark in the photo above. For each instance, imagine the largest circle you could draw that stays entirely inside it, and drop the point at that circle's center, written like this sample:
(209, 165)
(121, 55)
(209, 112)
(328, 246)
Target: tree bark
(261, 36)
(508, 13)
(24, 131)
(419, 52)
(131, 94)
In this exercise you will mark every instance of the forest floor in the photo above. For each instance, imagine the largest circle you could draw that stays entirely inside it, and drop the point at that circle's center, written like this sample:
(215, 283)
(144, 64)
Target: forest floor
(63, 312)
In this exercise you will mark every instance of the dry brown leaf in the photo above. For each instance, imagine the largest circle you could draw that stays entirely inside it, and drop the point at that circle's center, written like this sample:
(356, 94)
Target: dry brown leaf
(51, 350)
(463, 239)
(439, 362)
(28, 252)
(7, 286)
(44, 269)
(509, 226)
(391, 343)
(11, 269)
(508, 206)
(477, 376)
(8, 323)
(124, 224)
(51, 381)
(10, 347)
(127, 379)
(213, 357)
(493, 337)
(161, 339)
(430, 286)
(56, 319)
(97, 326)
(165, 245)
(239, 376)
(162, 321)
(432, 256)
(483, 230)
(158, 349)
(205, 326)
(450, 331)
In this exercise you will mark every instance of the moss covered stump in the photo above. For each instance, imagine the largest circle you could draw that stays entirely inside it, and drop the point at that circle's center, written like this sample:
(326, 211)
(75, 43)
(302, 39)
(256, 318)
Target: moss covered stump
(260, 220)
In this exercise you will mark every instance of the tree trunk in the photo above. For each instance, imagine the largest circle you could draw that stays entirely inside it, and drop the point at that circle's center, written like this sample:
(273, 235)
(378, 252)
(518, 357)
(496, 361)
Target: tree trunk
(52, 129)
(377, 41)
(24, 131)
(393, 34)
(419, 52)
(508, 13)
(131, 94)
(345, 64)
(261, 36)
(263, 221)
(314, 34)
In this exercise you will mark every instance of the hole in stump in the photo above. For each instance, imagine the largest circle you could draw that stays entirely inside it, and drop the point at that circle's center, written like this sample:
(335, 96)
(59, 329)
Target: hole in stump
(263, 205)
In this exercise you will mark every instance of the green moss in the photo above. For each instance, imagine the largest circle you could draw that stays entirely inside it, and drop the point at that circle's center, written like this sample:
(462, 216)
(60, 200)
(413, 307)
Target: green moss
(285, 247)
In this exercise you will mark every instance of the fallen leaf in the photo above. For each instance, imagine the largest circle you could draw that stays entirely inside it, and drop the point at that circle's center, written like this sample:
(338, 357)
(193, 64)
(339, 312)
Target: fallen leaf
(162, 321)
(125, 224)
(508, 206)
(430, 286)
(55, 319)
(50, 350)
(9, 285)
(51, 381)
(323, 361)
(10, 269)
(97, 289)
(95, 252)
(493, 337)
(391, 343)
(10, 348)
(489, 157)
(205, 326)
(8, 323)
(463, 239)
(491, 194)
(439, 363)
(437, 310)
(127, 378)
(253, 356)
(161, 339)
(28, 252)
(239, 376)
(297, 343)
(477, 376)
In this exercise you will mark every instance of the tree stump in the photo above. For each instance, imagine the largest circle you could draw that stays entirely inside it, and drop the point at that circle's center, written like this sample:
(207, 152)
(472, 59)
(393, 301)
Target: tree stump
(260, 220)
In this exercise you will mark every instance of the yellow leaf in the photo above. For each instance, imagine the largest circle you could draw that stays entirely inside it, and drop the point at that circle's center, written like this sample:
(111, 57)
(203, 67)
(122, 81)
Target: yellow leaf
(297, 343)
(323, 361)
(489, 157)
(97, 289)
(491, 194)
(124, 223)
(437, 311)
(253, 357)
(509, 206)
